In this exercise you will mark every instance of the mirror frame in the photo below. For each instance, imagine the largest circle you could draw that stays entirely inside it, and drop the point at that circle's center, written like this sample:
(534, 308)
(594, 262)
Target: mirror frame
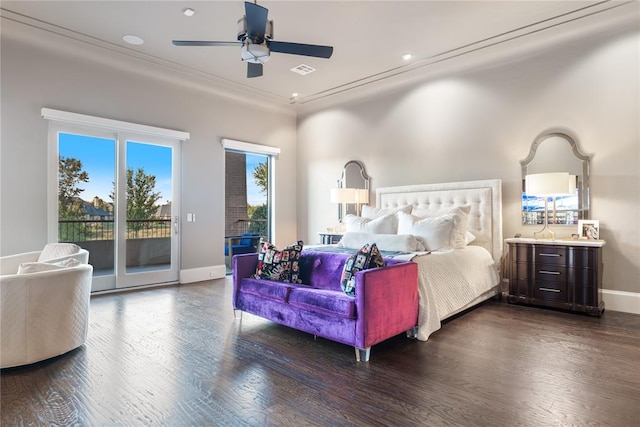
(351, 207)
(582, 180)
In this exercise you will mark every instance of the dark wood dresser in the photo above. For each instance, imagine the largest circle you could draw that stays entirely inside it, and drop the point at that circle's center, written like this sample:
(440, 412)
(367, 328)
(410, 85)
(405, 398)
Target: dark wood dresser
(564, 274)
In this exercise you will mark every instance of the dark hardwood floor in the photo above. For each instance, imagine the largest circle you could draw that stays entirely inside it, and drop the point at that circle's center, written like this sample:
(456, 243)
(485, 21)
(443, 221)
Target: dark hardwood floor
(176, 356)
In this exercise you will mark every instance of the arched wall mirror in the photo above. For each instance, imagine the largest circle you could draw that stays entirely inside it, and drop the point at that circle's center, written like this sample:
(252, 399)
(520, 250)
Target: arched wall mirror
(557, 151)
(355, 177)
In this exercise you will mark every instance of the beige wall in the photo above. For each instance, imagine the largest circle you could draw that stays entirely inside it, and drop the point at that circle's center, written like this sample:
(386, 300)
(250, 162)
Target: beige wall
(68, 77)
(478, 124)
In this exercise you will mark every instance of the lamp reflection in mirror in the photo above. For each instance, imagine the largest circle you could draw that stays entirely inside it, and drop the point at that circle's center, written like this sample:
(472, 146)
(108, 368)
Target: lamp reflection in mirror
(357, 196)
(549, 185)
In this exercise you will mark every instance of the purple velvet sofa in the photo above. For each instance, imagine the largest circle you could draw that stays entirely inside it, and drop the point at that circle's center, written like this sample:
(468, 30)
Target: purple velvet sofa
(385, 304)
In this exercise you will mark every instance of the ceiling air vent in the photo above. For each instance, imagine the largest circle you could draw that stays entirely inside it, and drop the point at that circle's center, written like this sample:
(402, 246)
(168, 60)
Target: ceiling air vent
(303, 69)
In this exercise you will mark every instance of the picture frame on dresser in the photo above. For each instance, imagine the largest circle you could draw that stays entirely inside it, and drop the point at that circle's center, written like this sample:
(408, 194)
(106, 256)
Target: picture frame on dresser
(589, 229)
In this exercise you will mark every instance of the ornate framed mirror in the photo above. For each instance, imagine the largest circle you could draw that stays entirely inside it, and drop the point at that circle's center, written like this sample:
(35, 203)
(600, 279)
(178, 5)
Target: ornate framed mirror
(556, 151)
(353, 176)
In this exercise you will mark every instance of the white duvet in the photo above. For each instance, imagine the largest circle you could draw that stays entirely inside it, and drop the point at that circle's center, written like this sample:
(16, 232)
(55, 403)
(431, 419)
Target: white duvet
(449, 282)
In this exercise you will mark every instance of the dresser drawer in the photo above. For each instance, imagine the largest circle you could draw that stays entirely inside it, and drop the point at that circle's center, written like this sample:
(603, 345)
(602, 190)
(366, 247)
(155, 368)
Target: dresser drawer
(550, 291)
(551, 255)
(547, 273)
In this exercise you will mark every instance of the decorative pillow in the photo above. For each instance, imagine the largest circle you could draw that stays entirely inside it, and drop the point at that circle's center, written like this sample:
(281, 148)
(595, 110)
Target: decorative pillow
(370, 212)
(436, 233)
(461, 221)
(387, 224)
(385, 242)
(57, 250)
(37, 267)
(281, 266)
(363, 259)
(470, 237)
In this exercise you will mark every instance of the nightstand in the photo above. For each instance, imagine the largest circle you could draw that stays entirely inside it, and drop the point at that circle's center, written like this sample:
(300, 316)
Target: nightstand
(564, 274)
(329, 238)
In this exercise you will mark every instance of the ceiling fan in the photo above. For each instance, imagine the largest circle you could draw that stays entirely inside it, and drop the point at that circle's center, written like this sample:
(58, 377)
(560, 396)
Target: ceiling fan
(255, 36)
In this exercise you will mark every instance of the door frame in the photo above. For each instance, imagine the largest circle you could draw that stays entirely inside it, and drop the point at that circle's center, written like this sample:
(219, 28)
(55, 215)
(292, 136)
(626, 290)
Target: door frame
(121, 132)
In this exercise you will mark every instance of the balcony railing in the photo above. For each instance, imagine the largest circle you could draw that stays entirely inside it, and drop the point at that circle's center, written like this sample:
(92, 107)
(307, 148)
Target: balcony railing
(245, 225)
(81, 230)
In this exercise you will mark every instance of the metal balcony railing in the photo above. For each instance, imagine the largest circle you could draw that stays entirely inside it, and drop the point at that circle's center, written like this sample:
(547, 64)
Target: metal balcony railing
(81, 230)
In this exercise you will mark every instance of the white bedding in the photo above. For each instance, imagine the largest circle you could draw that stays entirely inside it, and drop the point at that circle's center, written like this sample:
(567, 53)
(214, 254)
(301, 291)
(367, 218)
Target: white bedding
(449, 282)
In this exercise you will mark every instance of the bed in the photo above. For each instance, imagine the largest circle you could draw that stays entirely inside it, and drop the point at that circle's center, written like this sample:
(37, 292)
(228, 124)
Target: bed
(450, 280)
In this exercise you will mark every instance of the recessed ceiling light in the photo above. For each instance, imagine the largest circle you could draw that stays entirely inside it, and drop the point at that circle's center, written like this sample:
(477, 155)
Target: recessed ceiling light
(189, 12)
(294, 94)
(407, 56)
(131, 39)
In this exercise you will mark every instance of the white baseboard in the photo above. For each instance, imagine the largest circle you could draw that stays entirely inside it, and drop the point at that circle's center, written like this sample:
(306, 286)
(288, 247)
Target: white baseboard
(627, 302)
(203, 273)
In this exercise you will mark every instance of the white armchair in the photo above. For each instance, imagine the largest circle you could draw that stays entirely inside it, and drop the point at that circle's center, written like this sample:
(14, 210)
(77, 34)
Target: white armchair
(44, 306)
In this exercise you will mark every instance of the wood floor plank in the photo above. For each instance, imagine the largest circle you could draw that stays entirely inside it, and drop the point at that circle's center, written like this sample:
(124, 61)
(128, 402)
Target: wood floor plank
(177, 356)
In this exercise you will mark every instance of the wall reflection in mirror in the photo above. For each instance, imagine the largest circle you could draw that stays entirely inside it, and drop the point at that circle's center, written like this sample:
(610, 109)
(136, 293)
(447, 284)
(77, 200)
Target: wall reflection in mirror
(551, 152)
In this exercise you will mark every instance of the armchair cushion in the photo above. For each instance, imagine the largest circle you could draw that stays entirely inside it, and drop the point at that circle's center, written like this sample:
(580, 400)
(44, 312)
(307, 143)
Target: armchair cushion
(53, 251)
(37, 267)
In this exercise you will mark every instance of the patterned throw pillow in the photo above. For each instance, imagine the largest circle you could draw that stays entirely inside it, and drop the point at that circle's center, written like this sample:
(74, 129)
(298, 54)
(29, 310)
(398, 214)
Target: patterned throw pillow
(281, 266)
(364, 258)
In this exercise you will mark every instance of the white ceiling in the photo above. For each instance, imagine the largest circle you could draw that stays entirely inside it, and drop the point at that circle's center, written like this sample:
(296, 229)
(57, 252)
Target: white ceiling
(369, 37)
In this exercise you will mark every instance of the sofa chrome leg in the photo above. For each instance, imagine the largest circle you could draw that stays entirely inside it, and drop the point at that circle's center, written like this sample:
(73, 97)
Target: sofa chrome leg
(362, 355)
(413, 332)
(237, 314)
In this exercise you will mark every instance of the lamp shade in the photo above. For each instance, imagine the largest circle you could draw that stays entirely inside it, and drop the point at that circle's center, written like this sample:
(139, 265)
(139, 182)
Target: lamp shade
(547, 184)
(343, 195)
(362, 195)
(573, 184)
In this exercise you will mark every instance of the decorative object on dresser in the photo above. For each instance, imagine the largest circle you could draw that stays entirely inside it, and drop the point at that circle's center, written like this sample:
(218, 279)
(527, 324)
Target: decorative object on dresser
(589, 229)
(563, 274)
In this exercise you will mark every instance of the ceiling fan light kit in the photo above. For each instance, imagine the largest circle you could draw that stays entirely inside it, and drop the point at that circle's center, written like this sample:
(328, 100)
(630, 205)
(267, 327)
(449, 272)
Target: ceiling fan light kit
(254, 53)
(255, 35)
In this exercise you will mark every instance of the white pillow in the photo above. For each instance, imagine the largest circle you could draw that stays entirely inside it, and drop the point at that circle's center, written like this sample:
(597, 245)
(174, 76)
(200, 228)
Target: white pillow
(370, 212)
(37, 267)
(57, 250)
(384, 225)
(384, 242)
(461, 220)
(436, 233)
(470, 237)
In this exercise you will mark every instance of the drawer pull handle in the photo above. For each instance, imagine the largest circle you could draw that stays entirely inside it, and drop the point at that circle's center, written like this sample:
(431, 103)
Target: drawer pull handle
(555, 273)
(549, 290)
(549, 254)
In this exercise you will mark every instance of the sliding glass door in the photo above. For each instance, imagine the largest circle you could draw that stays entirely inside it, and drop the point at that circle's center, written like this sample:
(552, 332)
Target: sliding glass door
(117, 197)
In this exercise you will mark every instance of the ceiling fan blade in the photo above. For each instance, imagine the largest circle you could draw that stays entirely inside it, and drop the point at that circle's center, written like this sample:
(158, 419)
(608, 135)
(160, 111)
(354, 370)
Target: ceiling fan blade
(256, 21)
(204, 43)
(254, 70)
(301, 49)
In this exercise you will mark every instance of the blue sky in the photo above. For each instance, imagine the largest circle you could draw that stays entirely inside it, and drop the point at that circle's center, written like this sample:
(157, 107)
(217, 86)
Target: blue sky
(254, 195)
(98, 160)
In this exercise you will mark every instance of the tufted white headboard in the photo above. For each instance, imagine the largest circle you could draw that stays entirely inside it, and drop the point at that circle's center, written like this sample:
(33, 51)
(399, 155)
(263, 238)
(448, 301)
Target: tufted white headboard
(484, 197)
